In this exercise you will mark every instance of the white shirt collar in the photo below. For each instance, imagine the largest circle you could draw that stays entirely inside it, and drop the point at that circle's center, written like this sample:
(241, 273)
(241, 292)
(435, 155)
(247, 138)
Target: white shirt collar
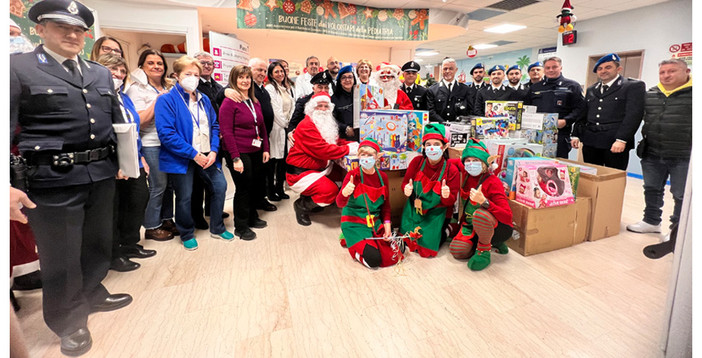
(60, 59)
(496, 88)
(515, 87)
(447, 83)
(609, 84)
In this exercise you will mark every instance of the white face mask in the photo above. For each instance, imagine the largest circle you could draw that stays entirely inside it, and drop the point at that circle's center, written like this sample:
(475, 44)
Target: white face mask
(474, 168)
(189, 83)
(434, 152)
(367, 163)
(117, 83)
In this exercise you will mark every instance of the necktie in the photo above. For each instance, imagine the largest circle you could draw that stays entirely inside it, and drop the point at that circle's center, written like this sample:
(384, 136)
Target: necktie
(605, 88)
(71, 65)
(449, 86)
(408, 89)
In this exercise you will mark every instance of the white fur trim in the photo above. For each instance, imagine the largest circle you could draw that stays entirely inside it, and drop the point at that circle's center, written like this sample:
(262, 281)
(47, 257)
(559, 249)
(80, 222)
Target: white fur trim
(306, 181)
(314, 101)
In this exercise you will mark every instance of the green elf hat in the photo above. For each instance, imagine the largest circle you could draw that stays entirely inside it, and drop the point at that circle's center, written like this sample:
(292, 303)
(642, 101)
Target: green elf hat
(435, 131)
(475, 148)
(370, 142)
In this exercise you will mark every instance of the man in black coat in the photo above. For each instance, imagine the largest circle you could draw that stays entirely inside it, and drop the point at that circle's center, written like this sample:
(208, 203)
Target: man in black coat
(557, 94)
(448, 98)
(514, 78)
(478, 73)
(63, 108)
(320, 83)
(613, 110)
(415, 92)
(496, 91)
(536, 74)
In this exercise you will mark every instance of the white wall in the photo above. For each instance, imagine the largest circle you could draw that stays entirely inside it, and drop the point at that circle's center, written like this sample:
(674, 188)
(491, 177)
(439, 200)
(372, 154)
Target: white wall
(124, 15)
(651, 29)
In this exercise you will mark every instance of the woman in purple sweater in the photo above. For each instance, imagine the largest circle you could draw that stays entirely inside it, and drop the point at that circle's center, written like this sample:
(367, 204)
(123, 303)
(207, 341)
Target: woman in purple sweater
(246, 141)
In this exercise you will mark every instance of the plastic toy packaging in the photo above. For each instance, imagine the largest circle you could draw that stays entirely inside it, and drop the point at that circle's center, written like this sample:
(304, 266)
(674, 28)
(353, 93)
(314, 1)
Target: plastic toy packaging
(541, 185)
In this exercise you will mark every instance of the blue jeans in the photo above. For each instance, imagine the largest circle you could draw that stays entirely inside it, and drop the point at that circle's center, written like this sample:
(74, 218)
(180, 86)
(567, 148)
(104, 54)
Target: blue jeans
(655, 174)
(183, 186)
(160, 206)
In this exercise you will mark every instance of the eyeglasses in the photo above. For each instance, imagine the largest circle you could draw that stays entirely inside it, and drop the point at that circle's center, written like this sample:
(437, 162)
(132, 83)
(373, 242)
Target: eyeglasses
(108, 49)
(206, 64)
(349, 78)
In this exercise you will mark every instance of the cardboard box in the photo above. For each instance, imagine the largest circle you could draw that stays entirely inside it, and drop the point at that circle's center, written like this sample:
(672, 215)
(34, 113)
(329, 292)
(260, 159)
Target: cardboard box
(397, 196)
(548, 229)
(455, 152)
(607, 192)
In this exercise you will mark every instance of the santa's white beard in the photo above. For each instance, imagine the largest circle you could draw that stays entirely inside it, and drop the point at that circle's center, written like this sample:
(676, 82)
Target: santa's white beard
(326, 125)
(390, 91)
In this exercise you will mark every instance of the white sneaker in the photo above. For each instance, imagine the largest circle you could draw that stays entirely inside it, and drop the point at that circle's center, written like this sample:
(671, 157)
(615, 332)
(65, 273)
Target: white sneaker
(643, 227)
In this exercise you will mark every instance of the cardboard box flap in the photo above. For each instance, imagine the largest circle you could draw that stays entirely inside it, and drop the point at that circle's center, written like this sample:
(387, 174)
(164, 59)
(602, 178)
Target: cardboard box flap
(603, 173)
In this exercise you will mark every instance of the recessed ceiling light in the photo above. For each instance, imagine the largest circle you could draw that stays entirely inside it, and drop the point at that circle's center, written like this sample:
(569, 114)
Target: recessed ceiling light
(483, 46)
(504, 28)
(426, 53)
(419, 60)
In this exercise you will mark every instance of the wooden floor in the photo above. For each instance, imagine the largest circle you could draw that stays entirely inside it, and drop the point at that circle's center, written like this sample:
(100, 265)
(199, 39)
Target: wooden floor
(294, 292)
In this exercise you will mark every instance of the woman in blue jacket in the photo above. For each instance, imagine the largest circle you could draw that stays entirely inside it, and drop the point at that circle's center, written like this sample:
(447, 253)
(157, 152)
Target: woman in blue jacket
(189, 133)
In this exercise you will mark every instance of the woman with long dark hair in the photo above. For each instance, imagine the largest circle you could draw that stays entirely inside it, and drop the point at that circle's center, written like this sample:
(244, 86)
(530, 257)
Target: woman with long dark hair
(150, 83)
(283, 102)
(246, 140)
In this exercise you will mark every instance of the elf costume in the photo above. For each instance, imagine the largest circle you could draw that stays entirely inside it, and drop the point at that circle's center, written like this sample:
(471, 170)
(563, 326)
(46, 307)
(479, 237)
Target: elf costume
(426, 210)
(363, 215)
(483, 225)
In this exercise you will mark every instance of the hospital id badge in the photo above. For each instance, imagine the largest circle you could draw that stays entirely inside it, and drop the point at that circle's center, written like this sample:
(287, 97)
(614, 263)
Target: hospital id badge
(256, 143)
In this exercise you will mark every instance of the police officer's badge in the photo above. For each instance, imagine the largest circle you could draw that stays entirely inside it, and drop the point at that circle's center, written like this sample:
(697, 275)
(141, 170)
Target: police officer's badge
(73, 8)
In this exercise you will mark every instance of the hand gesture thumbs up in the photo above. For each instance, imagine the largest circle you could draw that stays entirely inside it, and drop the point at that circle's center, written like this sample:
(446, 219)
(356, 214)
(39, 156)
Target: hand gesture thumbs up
(476, 195)
(409, 188)
(445, 190)
(349, 188)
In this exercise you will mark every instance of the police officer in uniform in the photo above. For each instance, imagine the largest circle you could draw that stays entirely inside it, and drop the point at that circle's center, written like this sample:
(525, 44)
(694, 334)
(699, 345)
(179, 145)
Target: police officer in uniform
(496, 91)
(478, 73)
(514, 77)
(415, 92)
(557, 94)
(320, 82)
(613, 110)
(448, 98)
(63, 108)
(536, 74)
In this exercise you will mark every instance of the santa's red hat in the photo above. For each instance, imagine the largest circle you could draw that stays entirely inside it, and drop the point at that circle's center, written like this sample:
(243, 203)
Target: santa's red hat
(384, 66)
(567, 5)
(315, 100)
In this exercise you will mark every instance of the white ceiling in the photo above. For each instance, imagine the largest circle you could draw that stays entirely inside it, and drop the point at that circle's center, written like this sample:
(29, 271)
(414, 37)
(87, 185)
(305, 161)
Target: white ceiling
(540, 19)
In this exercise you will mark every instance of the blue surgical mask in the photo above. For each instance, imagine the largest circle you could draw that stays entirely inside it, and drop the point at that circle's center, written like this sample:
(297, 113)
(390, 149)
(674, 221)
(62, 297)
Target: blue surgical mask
(474, 168)
(367, 163)
(434, 152)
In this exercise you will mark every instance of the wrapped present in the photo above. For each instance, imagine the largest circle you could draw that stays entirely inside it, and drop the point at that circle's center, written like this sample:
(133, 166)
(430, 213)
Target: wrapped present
(543, 185)
(509, 109)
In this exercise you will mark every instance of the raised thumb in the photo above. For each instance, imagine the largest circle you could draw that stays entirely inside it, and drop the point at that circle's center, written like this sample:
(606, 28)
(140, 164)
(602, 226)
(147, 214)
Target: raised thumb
(443, 183)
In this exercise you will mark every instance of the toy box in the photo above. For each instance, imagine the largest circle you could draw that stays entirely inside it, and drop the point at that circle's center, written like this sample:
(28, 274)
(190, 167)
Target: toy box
(543, 185)
(388, 127)
(460, 132)
(489, 128)
(499, 149)
(387, 161)
(371, 97)
(509, 109)
(416, 120)
(508, 177)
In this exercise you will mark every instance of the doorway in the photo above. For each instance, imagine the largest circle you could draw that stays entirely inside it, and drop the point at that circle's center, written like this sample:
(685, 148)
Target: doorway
(631, 62)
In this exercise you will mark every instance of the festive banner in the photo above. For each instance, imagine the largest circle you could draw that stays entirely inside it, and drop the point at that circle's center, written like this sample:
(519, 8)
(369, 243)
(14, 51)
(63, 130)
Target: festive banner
(18, 13)
(334, 18)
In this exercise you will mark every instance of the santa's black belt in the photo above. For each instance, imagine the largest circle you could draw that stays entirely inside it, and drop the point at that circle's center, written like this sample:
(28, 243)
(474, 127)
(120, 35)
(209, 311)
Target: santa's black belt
(69, 158)
(291, 169)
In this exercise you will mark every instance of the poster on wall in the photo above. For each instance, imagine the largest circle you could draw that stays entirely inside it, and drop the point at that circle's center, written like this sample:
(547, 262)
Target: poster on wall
(227, 52)
(334, 18)
(682, 51)
(18, 14)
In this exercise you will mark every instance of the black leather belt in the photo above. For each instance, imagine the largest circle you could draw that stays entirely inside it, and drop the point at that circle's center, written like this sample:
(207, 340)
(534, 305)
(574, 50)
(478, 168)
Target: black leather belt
(70, 158)
(291, 169)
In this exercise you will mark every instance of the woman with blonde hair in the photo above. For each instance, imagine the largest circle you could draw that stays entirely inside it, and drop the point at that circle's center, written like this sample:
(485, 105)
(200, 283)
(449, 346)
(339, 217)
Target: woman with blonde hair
(363, 70)
(188, 130)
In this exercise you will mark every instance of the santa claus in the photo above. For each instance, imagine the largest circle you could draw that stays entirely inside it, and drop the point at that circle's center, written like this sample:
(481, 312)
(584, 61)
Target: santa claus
(311, 171)
(388, 78)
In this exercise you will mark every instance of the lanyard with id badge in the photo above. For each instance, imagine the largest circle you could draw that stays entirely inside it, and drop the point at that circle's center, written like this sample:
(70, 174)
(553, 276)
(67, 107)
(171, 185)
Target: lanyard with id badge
(203, 138)
(256, 142)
